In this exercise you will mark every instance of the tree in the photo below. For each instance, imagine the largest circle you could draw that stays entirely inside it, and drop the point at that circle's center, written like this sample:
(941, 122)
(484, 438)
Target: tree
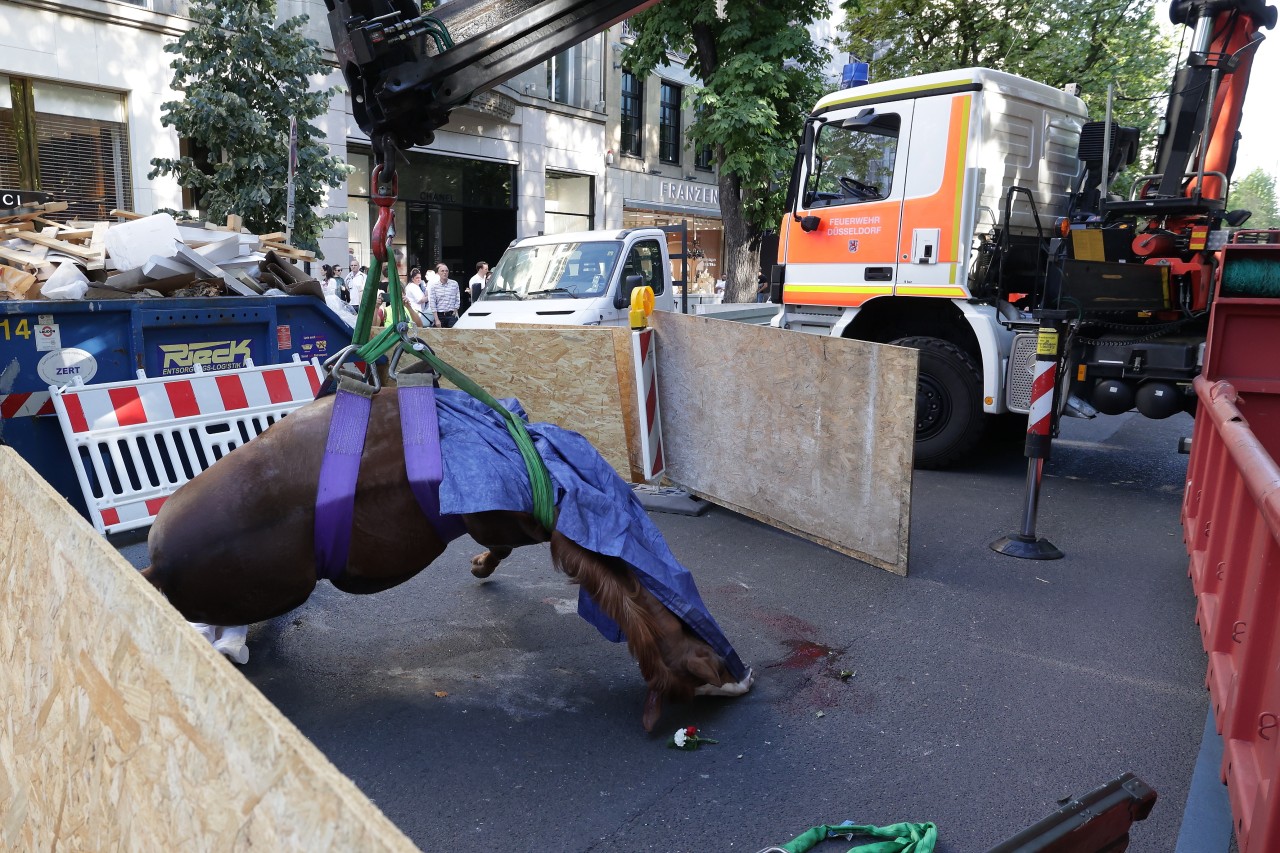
(243, 75)
(1089, 42)
(760, 73)
(1256, 192)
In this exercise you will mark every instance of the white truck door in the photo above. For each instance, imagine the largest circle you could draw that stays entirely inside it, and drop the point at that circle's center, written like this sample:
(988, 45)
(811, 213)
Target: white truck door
(853, 186)
(646, 259)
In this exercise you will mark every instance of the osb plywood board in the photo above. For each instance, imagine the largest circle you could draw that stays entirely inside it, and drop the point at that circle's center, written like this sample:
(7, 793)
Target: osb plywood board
(568, 376)
(807, 433)
(122, 729)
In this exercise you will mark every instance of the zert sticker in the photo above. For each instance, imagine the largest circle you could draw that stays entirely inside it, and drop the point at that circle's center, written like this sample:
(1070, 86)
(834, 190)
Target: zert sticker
(61, 366)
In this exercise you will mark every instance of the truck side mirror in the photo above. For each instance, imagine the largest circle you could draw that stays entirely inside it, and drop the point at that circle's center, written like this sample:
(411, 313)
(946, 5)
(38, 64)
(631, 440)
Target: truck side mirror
(622, 299)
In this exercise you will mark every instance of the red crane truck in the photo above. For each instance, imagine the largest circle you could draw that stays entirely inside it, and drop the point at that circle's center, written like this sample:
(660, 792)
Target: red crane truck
(940, 211)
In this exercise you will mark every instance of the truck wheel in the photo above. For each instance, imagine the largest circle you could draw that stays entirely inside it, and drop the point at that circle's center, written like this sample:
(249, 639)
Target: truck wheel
(949, 417)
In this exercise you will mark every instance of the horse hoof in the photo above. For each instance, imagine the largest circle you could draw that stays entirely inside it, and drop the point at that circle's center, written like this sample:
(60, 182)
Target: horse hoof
(483, 565)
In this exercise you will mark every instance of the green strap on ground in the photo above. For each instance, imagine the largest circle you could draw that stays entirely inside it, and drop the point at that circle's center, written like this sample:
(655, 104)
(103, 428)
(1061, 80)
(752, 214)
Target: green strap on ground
(544, 507)
(895, 838)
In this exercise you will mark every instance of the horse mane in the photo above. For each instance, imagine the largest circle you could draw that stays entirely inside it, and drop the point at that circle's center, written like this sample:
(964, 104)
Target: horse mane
(617, 591)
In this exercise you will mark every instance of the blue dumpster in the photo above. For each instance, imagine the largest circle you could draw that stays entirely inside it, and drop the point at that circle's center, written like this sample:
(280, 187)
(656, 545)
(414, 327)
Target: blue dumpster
(51, 342)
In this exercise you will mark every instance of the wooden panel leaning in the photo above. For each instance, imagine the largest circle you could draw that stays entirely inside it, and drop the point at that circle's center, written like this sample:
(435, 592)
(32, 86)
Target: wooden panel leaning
(571, 376)
(807, 433)
(122, 729)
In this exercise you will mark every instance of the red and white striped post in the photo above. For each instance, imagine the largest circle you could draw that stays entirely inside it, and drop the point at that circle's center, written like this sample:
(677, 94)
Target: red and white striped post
(1040, 423)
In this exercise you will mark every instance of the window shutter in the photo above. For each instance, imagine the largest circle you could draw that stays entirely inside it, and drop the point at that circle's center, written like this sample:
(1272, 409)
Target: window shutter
(85, 162)
(9, 178)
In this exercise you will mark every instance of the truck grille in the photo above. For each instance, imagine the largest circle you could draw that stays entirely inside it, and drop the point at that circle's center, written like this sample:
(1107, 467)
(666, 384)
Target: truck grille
(1022, 359)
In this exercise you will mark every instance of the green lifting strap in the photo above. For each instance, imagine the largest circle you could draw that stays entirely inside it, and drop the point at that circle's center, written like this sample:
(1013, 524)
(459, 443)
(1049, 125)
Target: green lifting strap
(544, 505)
(896, 838)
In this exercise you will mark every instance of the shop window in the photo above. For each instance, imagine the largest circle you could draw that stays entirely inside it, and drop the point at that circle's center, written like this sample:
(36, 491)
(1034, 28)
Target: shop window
(69, 141)
(853, 160)
(359, 181)
(632, 108)
(669, 123)
(569, 203)
(645, 260)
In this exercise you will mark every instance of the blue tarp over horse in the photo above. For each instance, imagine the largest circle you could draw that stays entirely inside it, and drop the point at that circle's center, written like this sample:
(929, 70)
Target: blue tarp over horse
(483, 471)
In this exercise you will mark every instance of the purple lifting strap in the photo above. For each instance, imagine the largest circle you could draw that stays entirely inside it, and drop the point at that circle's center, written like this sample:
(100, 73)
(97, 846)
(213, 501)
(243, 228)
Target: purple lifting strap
(336, 496)
(421, 429)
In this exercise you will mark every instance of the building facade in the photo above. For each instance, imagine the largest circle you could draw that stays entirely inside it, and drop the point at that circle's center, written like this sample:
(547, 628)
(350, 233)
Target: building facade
(575, 143)
(82, 84)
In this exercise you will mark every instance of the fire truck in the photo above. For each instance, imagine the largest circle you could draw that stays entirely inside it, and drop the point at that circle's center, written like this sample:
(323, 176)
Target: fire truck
(946, 211)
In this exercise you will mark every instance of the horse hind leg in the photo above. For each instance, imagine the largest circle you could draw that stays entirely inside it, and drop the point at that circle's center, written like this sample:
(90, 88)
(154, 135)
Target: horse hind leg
(500, 531)
(483, 565)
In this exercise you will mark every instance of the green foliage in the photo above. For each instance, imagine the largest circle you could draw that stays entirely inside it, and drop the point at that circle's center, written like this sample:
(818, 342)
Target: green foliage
(1256, 192)
(760, 73)
(1090, 42)
(243, 75)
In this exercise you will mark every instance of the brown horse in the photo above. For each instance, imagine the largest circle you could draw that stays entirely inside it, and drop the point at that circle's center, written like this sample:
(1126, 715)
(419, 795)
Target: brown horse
(235, 546)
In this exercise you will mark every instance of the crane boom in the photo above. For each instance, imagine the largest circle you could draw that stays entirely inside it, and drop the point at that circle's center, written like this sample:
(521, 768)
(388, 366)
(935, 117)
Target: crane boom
(407, 70)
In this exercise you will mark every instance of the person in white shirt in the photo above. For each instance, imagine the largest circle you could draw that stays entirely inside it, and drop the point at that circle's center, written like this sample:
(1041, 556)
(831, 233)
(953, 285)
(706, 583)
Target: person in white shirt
(416, 292)
(443, 298)
(479, 281)
(355, 285)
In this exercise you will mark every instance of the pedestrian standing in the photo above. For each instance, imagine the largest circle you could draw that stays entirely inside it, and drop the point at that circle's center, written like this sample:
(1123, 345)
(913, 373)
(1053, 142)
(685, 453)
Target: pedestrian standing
(355, 285)
(333, 283)
(416, 292)
(762, 287)
(479, 281)
(443, 298)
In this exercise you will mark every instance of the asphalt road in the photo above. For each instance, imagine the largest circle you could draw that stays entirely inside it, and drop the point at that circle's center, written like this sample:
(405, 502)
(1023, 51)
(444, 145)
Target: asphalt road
(488, 716)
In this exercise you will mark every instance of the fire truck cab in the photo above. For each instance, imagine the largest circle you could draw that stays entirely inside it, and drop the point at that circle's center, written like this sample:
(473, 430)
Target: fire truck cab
(897, 192)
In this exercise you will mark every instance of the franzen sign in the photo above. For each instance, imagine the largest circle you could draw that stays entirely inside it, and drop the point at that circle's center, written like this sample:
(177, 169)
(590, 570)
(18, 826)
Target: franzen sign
(689, 192)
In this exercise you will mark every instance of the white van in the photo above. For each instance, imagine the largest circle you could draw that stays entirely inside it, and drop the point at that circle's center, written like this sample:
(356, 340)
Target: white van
(582, 278)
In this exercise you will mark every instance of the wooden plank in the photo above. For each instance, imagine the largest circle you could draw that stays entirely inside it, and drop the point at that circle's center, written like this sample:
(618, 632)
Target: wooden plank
(289, 251)
(78, 234)
(25, 260)
(808, 433)
(126, 214)
(19, 284)
(98, 244)
(62, 246)
(59, 227)
(273, 237)
(37, 212)
(235, 223)
(124, 729)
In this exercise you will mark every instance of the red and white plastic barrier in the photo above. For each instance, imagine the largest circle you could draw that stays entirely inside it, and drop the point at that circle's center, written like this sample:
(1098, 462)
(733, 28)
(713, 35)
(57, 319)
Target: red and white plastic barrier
(134, 443)
(644, 358)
